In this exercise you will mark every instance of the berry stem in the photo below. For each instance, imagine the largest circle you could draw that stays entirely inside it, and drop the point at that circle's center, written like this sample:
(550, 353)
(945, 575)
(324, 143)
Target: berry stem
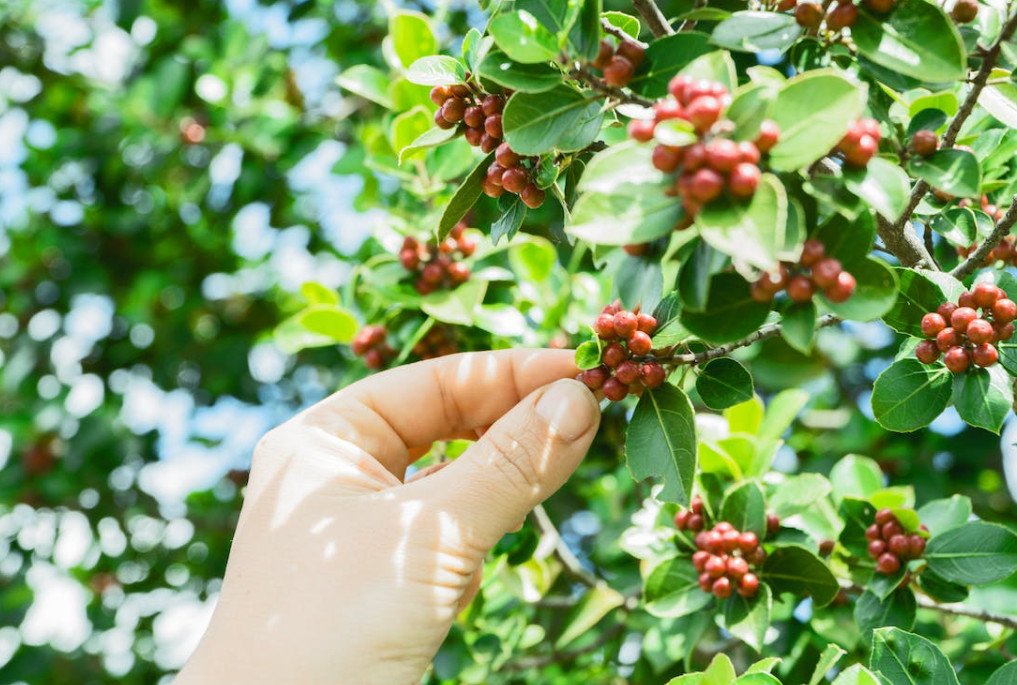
(976, 258)
(653, 17)
(613, 30)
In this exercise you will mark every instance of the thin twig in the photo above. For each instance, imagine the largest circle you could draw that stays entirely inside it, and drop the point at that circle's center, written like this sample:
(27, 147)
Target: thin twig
(767, 331)
(570, 561)
(977, 258)
(961, 610)
(613, 30)
(950, 137)
(653, 17)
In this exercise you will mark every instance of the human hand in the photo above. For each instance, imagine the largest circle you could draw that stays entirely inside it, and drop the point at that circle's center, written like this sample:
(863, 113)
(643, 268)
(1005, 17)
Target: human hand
(342, 573)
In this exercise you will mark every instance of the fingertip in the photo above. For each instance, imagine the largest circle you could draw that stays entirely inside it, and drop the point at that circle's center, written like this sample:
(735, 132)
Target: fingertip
(569, 409)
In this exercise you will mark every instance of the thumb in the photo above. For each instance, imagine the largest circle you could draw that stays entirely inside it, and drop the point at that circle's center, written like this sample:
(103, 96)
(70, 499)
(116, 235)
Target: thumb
(519, 462)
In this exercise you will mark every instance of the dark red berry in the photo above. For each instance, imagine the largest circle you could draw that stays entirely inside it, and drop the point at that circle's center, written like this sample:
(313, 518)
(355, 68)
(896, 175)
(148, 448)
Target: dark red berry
(808, 14)
(924, 142)
(646, 323)
(898, 544)
(453, 110)
(890, 529)
(769, 134)
(888, 564)
(722, 588)
(744, 180)
(532, 196)
(595, 378)
(632, 52)
(514, 180)
(505, 157)
(885, 516)
(492, 126)
(748, 541)
(916, 546)
(961, 317)
(492, 104)
(772, 524)
(985, 354)
(639, 343)
(812, 252)
(927, 352)
(604, 54)
(722, 154)
(615, 390)
(748, 586)
(699, 559)
(627, 372)
(666, 158)
(825, 273)
(613, 355)
(842, 16)
(618, 71)
(876, 548)
(642, 129)
(964, 11)
(625, 324)
(652, 375)
(705, 185)
(715, 566)
(932, 324)
(737, 567)
(800, 289)
(980, 331)
(1004, 310)
(704, 112)
(946, 310)
(873, 532)
(947, 339)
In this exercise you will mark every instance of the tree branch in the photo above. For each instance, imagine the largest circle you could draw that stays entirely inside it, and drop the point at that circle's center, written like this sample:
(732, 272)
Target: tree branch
(570, 561)
(613, 30)
(950, 137)
(653, 17)
(977, 258)
(961, 610)
(767, 331)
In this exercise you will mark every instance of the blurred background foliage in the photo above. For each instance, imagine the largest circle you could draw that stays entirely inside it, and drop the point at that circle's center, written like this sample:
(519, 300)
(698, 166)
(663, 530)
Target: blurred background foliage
(170, 174)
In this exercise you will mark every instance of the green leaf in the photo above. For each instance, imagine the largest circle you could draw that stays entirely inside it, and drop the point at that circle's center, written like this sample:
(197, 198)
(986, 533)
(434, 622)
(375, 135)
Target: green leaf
(661, 442)
(526, 78)
(329, 320)
(630, 214)
(723, 383)
(940, 515)
(856, 476)
(523, 38)
(714, 66)
(719, 672)
(796, 570)
(897, 610)
(958, 225)
(813, 111)
(798, 325)
(1000, 100)
(882, 585)
(408, 128)
(975, 553)
(763, 665)
(827, 660)
(749, 618)
(475, 48)
(1004, 675)
(672, 589)
(455, 306)
(730, 311)
(983, 396)
(874, 295)
(509, 222)
(952, 171)
(744, 507)
(902, 658)
(411, 36)
(919, 292)
(666, 57)
(882, 184)
(752, 31)
(675, 132)
(436, 70)
(316, 293)
(588, 355)
(751, 233)
(432, 137)
(797, 493)
(561, 119)
(597, 603)
(916, 39)
(367, 82)
(625, 22)
(533, 259)
(909, 395)
(856, 675)
(941, 589)
(464, 198)
(584, 36)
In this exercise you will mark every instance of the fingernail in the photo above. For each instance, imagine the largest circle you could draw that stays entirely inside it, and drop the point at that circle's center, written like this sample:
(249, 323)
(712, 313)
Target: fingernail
(569, 408)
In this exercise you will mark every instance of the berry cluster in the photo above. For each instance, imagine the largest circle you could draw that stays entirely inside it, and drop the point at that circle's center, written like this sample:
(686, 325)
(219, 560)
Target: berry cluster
(370, 344)
(436, 263)
(437, 342)
(621, 372)
(860, 143)
(890, 545)
(513, 173)
(924, 142)
(726, 559)
(964, 11)
(839, 15)
(479, 112)
(618, 65)
(713, 164)
(961, 335)
(813, 272)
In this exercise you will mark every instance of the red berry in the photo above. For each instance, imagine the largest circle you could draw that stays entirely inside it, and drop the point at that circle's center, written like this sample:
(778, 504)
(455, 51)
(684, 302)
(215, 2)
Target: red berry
(731, 538)
(961, 317)
(706, 185)
(632, 52)
(458, 272)
(723, 527)
(615, 390)
(748, 586)
(1004, 310)
(808, 14)
(890, 529)
(842, 289)
(956, 359)
(595, 378)
(748, 152)
(681, 519)
(374, 359)
(713, 541)
(946, 310)
(825, 273)
(646, 323)
(737, 567)
(642, 129)
(768, 135)
(474, 116)
(625, 323)
(492, 104)
(703, 112)
(505, 157)
(667, 109)
(748, 541)
(453, 110)
(604, 54)
(947, 339)
(932, 324)
(772, 524)
(800, 289)
(696, 504)
(492, 125)
(695, 522)
(964, 11)
(744, 180)
(985, 294)
(1004, 332)
(618, 71)
(532, 196)
(652, 375)
(433, 273)
(699, 560)
(980, 331)
(694, 157)
(603, 326)
(873, 532)
(885, 516)
(876, 547)
(627, 372)
(474, 136)
(722, 154)
(966, 299)
(842, 16)
(812, 252)
(757, 557)
(705, 582)
(489, 143)
(888, 564)
(514, 180)
(666, 158)
(677, 86)
(924, 142)
(613, 355)
(985, 354)
(927, 352)
(898, 545)
(722, 588)
(916, 546)
(880, 6)
(410, 259)
(715, 566)
(439, 94)
(639, 343)
(860, 154)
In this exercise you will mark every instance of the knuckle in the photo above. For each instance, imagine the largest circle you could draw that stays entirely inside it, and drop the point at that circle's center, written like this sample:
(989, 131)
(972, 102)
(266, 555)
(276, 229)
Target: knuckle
(514, 458)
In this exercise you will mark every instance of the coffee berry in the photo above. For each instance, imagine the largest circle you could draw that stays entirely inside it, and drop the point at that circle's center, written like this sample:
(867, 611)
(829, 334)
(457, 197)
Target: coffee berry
(924, 142)
(860, 143)
(436, 265)
(964, 11)
(478, 112)
(626, 364)
(814, 272)
(438, 342)
(727, 559)
(891, 545)
(961, 335)
(618, 64)
(515, 174)
(370, 344)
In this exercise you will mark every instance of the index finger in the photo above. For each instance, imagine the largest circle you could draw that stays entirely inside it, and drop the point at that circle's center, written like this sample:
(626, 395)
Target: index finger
(411, 406)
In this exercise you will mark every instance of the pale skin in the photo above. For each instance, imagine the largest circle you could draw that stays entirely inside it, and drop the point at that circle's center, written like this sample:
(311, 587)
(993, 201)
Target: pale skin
(344, 571)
